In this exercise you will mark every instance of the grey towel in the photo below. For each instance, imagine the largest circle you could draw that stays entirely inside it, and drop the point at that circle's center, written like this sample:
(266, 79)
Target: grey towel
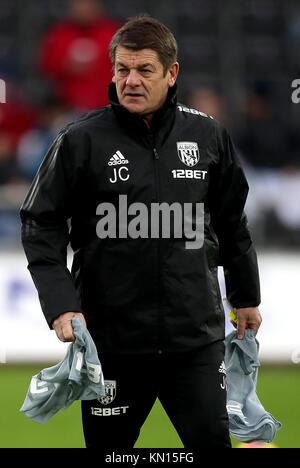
(248, 420)
(78, 377)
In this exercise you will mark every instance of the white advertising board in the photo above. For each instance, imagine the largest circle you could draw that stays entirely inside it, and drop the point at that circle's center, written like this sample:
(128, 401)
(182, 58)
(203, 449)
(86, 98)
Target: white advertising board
(26, 337)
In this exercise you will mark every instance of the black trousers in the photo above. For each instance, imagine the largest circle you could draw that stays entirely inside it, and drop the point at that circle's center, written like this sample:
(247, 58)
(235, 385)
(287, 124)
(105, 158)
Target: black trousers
(190, 386)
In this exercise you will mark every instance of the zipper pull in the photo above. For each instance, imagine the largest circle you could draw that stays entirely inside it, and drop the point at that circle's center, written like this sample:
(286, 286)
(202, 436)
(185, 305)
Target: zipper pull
(155, 153)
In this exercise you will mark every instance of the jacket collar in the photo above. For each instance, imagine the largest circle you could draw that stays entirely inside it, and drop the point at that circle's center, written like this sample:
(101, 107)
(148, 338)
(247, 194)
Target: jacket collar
(163, 119)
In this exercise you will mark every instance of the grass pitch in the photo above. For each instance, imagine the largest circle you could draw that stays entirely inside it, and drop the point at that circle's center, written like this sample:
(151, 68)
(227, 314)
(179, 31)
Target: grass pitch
(278, 390)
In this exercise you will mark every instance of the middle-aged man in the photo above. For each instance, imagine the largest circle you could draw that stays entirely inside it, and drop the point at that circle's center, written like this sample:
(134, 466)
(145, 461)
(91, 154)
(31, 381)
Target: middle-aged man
(155, 197)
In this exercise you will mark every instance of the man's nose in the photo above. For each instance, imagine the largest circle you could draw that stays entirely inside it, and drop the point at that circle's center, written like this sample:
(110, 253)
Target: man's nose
(133, 79)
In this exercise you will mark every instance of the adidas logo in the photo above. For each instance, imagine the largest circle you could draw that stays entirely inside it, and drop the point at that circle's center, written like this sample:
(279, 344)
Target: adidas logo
(222, 368)
(117, 159)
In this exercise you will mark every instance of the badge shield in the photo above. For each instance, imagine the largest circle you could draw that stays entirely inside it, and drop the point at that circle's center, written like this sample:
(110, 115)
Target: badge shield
(188, 153)
(110, 390)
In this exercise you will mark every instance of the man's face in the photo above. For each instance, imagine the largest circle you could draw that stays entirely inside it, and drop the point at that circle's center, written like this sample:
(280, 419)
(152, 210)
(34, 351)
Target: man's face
(139, 77)
(84, 11)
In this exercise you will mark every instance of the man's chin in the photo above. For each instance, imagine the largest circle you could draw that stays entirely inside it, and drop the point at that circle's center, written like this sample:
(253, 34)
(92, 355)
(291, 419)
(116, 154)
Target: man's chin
(134, 109)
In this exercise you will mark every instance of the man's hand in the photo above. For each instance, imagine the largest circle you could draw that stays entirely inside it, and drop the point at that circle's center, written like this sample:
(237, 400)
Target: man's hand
(249, 316)
(63, 326)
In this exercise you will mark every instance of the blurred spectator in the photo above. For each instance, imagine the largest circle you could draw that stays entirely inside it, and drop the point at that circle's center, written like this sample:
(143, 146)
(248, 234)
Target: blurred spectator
(53, 116)
(293, 32)
(11, 192)
(267, 141)
(74, 55)
(17, 115)
(270, 150)
(9, 169)
(207, 100)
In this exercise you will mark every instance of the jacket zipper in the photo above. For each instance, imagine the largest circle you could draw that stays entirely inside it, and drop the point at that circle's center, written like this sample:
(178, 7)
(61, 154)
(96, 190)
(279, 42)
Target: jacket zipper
(156, 159)
(157, 199)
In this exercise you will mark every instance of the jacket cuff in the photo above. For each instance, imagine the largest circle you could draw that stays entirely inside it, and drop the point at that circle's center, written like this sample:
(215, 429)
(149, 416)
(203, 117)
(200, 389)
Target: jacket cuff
(242, 280)
(63, 299)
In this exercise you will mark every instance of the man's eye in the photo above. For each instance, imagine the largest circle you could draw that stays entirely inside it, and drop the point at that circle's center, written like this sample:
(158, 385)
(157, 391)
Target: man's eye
(145, 70)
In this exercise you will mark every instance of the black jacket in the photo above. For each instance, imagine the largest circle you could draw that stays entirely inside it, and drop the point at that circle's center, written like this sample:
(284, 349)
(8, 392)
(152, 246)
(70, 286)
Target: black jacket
(143, 294)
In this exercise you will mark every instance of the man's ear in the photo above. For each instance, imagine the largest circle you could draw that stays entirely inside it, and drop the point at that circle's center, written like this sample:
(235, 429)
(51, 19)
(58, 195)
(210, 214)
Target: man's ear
(173, 73)
(113, 79)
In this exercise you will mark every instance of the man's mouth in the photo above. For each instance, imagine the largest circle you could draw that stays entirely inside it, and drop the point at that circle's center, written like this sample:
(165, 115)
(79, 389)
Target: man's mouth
(134, 95)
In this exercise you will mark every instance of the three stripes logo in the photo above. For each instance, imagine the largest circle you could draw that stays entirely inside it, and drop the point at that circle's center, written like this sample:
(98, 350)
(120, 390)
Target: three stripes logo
(117, 159)
(47, 166)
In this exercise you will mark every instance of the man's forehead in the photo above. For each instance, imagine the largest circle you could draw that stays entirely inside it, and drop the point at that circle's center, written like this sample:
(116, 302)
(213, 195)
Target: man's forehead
(124, 55)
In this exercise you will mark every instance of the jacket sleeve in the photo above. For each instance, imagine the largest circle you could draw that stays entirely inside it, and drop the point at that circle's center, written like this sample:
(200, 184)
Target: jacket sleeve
(45, 233)
(237, 255)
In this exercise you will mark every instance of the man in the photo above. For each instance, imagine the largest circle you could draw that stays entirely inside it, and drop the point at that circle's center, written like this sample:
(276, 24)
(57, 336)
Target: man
(75, 50)
(148, 292)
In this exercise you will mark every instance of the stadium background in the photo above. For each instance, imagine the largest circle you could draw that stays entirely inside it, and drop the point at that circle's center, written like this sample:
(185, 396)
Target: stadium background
(238, 64)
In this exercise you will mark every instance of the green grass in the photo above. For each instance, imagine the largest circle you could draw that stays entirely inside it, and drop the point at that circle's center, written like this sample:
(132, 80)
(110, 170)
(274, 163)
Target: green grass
(278, 389)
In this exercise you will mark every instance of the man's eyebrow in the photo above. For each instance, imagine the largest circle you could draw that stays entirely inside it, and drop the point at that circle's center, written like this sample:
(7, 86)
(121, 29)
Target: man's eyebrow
(144, 65)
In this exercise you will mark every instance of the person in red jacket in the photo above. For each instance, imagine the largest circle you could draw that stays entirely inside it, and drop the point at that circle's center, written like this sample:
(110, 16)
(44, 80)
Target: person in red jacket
(75, 51)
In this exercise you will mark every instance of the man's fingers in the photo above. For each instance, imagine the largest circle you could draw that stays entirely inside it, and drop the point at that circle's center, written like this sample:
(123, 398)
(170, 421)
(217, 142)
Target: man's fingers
(241, 325)
(248, 318)
(63, 326)
(64, 332)
(254, 326)
(59, 334)
(67, 332)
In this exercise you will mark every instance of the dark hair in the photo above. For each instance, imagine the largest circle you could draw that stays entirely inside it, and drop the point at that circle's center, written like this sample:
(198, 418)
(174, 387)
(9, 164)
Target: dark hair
(145, 32)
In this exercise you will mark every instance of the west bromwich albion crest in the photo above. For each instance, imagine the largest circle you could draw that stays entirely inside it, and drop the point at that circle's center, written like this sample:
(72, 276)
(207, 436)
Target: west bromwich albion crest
(188, 152)
(110, 390)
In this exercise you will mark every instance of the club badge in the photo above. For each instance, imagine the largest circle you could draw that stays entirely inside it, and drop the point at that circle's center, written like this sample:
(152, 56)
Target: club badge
(110, 390)
(188, 153)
